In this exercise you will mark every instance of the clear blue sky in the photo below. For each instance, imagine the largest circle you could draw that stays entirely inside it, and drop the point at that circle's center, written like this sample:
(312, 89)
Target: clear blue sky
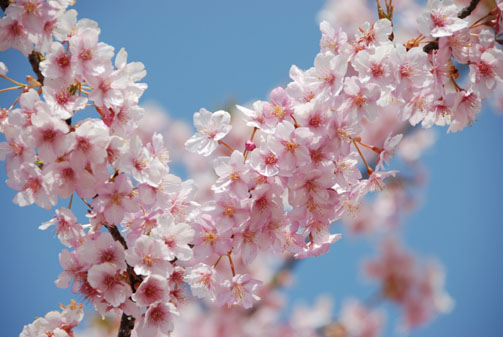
(201, 53)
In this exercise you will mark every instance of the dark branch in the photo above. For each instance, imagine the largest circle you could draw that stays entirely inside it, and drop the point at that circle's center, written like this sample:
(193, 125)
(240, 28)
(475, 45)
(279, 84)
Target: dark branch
(429, 47)
(127, 325)
(127, 322)
(114, 231)
(468, 9)
(4, 4)
(35, 58)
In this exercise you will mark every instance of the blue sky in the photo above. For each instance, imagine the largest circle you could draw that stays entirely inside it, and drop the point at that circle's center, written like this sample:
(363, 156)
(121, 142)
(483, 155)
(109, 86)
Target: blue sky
(200, 54)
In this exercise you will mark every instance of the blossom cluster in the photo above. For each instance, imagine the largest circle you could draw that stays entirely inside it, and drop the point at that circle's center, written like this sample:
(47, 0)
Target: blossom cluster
(298, 172)
(148, 235)
(56, 323)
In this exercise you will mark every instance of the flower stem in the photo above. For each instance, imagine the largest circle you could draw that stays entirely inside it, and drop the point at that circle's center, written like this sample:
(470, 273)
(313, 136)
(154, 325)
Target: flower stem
(369, 170)
(232, 265)
(251, 139)
(12, 80)
(11, 88)
(221, 142)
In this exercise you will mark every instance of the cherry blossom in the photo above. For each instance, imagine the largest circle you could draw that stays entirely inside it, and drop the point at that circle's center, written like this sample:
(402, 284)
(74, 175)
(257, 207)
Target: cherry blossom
(157, 318)
(176, 237)
(211, 128)
(154, 288)
(239, 291)
(441, 19)
(109, 282)
(115, 198)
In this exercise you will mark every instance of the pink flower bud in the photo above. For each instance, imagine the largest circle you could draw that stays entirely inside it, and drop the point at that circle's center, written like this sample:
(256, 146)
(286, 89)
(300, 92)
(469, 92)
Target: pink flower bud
(250, 145)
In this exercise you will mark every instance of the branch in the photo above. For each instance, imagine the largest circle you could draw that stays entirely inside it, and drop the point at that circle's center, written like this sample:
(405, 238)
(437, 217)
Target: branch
(468, 9)
(4, 4)
(127, 325)
(35, 58)
(127, 322)
(114, 231)
(429, 47)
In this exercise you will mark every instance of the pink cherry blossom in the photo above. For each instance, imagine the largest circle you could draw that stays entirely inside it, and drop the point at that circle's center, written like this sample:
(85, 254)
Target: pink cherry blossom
(103, 249)
(331, 39)
(149, 256)
(229, 211)
(14, 34)
(107, 87)
(176, 237)
(441, 19)
(58, 64)
(19, 148)
(141, 164)
(467, 106)
(361, 97)
(49, 134)
(290, 145)
(375, 67)
(55, 323)
(265, 161)
(115, 198)
(110, 282)
(361, 321)
(69, 231)
(89, 57)
(375, 34)
(328, 73)
(62, 102)
(157, 318)
(280, 107)
(31, 12)
(202, 280)
(210, 239)
(34, 186)
(154, 288)
(487, 72)
(74, 269)
(241, 291)
(233, 175)
(388, 149)
(211, 127)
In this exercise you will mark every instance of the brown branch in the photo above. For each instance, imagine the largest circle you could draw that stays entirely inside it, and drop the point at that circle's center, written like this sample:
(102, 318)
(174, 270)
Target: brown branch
(429, 47)
(468, 9)
(127, 322)
(4, 4)
(114, 231)
(35, 58)
(127, 325)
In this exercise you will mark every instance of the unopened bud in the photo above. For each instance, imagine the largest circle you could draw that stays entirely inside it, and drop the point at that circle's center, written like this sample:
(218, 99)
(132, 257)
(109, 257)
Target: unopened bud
(250, 145)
